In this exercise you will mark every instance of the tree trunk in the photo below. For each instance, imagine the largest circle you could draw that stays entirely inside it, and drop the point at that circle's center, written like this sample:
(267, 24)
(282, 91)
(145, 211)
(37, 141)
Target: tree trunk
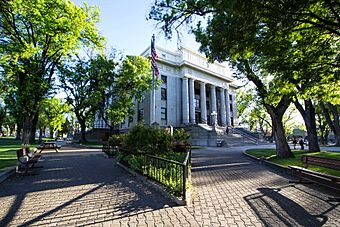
(275, 112)
(40, 135)
(51, 133)
(333, 124)
(82, 132)
(282, 147)
(18, 132)
(26, 130)
(34, 128)
(308, 115)
(326, 137)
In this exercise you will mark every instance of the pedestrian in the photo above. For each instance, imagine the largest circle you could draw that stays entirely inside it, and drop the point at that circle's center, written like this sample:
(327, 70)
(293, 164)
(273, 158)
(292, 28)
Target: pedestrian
(227, 130)
(294, 142)
(301, 144)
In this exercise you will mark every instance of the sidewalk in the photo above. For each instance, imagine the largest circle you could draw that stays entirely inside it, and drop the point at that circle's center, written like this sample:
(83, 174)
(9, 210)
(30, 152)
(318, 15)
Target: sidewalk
(81, 187)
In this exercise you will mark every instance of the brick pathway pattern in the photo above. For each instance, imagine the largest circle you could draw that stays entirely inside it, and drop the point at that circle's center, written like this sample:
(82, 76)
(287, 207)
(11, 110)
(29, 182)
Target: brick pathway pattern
(82, 188)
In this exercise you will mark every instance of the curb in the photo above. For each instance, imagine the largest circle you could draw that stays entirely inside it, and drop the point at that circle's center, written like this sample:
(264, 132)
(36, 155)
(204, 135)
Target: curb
(10, 171)
(261, 161)
(161, 189)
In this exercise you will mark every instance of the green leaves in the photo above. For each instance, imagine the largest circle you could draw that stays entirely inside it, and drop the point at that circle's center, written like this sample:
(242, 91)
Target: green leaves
(35, 36)
(132, 81)
(105, 85)
(52, 113)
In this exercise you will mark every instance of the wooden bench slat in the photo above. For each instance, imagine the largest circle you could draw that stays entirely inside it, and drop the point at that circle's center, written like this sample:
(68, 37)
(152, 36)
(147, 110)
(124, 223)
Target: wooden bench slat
(331, 163)
(324, 175)
(323, 178)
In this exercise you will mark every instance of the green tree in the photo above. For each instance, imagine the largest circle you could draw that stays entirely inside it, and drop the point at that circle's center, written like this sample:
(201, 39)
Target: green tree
(2, 119)
(53, 115)
(86, 83)
(36, 35)
(10, 124)
(331, 114)
(322, 125)
(105, 86)
(133, 79)
(254, 35)
(14, 111)
(230, 34)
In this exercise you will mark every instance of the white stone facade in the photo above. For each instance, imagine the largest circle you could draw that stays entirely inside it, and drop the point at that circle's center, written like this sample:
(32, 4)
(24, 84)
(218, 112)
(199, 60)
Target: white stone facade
(192, 90)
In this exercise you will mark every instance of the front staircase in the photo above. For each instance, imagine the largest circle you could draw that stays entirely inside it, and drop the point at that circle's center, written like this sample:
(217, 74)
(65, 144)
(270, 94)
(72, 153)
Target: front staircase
(205, 135)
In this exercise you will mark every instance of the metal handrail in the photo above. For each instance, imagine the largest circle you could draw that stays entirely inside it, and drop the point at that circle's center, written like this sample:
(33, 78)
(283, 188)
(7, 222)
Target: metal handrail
(165, 171)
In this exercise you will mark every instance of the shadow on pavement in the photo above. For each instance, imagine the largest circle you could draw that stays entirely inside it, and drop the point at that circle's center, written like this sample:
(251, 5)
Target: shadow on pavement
(71, 187)
(274, 208)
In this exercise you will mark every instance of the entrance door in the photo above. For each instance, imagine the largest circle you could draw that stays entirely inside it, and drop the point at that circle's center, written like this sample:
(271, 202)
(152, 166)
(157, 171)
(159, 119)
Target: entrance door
(198, 117)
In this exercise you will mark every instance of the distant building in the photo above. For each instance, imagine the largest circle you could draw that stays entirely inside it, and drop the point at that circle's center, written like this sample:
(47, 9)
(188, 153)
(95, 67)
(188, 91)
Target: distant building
(192, 90)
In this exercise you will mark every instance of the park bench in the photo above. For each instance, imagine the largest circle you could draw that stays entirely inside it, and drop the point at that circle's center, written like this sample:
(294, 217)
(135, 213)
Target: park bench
(313, 176)
(26, 159)
(48, 145)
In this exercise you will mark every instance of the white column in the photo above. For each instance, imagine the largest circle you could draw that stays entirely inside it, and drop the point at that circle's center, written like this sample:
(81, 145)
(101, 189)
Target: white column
(213, 98)
(192, 101)
(203, 103)
(185, 101)
(234, 109)
(223, 112)
(227, 107)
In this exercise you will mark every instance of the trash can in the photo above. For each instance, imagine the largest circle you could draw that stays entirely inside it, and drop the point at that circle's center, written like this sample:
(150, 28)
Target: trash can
(219, 143)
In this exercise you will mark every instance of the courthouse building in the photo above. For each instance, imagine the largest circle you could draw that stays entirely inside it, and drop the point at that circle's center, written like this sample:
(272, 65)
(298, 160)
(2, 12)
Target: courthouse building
(193, 91)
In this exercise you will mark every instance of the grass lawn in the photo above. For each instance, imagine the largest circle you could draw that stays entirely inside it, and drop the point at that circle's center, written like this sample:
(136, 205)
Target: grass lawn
(270, 155)
(8, 156)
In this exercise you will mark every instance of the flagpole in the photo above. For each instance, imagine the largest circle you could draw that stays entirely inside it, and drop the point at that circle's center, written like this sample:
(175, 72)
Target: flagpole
(155, 73)
(153, 99)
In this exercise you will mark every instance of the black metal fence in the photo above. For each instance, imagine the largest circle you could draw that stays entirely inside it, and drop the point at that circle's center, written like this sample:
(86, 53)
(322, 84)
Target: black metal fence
(172, 174)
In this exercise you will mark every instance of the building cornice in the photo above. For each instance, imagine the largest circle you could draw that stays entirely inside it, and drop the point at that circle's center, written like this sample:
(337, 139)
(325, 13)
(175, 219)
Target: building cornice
(189, 64)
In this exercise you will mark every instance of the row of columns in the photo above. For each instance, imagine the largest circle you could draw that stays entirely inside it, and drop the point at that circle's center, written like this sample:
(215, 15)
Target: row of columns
(188, 102)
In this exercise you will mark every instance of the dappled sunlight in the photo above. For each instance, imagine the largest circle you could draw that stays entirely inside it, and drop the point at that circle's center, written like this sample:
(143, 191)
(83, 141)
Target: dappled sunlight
(52, 181)
(218, 165)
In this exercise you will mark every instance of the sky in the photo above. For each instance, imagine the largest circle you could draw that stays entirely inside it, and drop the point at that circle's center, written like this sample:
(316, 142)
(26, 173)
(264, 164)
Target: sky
(125, 27)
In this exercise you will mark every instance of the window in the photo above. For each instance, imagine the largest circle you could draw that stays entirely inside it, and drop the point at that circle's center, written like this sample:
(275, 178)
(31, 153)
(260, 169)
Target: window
(208, 105)
(163, 93)
(140, 114)
(163, 113)
(164, 79)
(197, 103)
(231, 107)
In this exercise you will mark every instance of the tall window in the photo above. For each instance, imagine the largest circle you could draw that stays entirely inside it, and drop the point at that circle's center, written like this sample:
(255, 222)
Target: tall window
(163, 113)
(164, 79)
(163, 93)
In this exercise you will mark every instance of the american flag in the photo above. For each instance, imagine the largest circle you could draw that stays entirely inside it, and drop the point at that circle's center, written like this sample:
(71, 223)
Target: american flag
(154, 56)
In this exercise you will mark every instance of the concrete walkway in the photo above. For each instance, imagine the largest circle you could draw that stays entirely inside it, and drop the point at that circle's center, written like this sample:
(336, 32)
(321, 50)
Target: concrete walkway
(81, 187)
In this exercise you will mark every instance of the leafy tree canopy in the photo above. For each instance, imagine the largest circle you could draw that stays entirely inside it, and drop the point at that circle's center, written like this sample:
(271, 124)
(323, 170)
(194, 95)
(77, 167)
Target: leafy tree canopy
(35, 36)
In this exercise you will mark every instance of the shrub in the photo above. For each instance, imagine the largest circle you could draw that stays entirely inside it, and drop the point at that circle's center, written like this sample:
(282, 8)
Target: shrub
(150, 140)
(181, 136)
(117, 140)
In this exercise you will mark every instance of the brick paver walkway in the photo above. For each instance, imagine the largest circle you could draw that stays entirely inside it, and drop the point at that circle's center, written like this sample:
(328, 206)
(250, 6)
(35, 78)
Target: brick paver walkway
(84, 188)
